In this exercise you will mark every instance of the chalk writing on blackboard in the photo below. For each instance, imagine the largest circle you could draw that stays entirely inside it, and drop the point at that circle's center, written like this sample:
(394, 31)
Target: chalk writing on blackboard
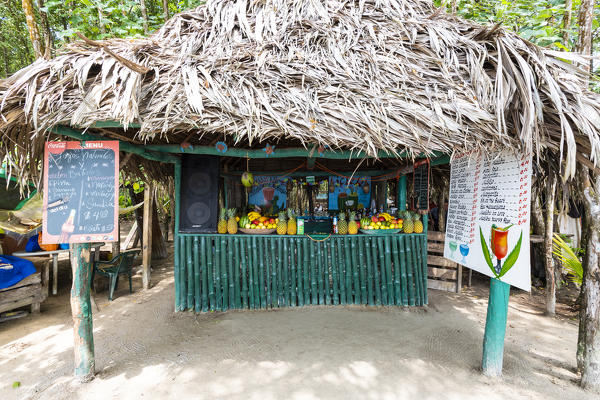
(421, 185)
(81, 183)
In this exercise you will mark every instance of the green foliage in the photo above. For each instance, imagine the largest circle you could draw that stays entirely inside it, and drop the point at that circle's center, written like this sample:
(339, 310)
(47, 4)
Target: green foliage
(569, 258)
(539, 21)
(96, 19)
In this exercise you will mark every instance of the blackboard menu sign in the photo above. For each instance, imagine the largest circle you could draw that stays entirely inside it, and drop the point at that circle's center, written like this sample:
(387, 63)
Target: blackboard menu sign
(81, 192)
(421, 185)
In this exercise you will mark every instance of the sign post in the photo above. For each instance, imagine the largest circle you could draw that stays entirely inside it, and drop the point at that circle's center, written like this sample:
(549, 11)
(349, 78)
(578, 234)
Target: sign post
(488, 230)
(81, 189)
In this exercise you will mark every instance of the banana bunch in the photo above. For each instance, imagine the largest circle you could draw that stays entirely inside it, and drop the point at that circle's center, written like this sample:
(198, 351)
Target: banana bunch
(386, 216)
(253, 215)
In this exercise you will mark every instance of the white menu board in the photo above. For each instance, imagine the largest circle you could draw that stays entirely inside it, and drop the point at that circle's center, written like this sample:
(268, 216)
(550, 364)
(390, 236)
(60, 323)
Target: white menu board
(487, 227)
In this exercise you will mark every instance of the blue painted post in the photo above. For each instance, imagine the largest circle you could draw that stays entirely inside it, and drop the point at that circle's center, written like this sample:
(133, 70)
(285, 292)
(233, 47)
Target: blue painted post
(81, 309)
(402, 193)
(495, 328)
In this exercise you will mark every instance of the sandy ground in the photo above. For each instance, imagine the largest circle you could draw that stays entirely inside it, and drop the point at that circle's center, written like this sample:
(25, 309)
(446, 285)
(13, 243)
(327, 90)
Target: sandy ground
(145, 350)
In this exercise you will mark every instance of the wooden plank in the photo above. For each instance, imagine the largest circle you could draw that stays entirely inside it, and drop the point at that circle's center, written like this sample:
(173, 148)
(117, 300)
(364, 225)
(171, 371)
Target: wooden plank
(434, 235)
(439, 261)
(147, 237)
(447, 274)
(17, 304)
(435, 247)
(13, 295)
(130, 236)
(441, 285)
(30, 280)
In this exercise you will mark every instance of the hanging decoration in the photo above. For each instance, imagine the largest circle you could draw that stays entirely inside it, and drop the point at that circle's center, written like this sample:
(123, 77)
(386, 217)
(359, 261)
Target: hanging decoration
(247, 179)
(184, 145)
(221, 147)
(269, 149)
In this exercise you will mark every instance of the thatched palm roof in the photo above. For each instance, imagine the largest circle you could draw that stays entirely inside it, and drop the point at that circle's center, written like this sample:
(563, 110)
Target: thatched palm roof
(363, 75)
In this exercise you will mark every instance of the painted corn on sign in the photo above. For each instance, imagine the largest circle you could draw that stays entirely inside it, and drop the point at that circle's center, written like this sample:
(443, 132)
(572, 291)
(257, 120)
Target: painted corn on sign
(81, 192)
(487, 227)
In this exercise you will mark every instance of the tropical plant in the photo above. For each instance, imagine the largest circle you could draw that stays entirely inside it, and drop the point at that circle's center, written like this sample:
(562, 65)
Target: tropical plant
(568, 257)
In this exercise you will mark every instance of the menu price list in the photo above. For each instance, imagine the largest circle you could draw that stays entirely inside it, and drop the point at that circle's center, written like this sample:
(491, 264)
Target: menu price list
(487, 188)
(80, 191)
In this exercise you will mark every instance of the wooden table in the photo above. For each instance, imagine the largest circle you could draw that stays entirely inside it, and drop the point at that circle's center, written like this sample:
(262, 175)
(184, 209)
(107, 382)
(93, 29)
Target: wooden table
(54, 256)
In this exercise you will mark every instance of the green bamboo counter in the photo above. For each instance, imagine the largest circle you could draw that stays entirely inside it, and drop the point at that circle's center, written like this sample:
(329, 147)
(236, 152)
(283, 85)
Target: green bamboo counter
(221, 272)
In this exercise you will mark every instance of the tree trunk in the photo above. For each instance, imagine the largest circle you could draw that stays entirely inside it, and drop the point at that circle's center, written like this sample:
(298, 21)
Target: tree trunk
(550, 281)
(585, 19)
(32, 27)
(165, 5)
(567, 22)
(101, 21)
(584, 183)
(159, 247)
(46, 27)
(144, 15)
(590, 375)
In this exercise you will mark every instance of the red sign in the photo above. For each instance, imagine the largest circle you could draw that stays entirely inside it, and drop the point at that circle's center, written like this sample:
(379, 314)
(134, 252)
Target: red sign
(81, 192)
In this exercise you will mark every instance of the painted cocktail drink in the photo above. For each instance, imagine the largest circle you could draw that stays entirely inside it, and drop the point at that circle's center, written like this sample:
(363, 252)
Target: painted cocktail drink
(464, 250)
(499, 244)
(453, 247)
(268, 193)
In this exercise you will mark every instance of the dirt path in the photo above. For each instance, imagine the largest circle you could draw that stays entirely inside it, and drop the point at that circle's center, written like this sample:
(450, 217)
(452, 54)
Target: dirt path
(144, 350)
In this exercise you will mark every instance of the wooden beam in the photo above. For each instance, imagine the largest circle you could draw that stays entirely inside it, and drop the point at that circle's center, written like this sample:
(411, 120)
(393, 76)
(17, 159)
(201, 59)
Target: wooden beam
(280, 152)
(123, 146)
(114, 124)
(147, 236)
(81, 310)
(392, 173)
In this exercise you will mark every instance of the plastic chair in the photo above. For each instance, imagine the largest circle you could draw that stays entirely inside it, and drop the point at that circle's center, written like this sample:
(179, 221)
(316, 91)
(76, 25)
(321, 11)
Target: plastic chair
(120, 265)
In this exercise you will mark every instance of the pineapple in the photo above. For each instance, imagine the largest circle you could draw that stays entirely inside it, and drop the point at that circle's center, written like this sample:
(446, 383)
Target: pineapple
(232, 225)
(342, 224)
(352, 225)
(409, 226)
(281, 224)
(291, 224)
(222, 225)
(418, 224)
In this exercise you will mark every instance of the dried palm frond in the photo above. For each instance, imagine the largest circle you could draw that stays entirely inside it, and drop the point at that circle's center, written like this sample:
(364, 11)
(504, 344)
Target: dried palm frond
(369, 75)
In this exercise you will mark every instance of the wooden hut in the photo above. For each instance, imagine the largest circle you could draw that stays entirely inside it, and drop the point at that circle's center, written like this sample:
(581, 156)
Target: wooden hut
(341, 86)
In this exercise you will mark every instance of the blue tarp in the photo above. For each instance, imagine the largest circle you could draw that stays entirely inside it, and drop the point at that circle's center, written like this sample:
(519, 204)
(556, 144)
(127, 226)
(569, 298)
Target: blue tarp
(14, 270)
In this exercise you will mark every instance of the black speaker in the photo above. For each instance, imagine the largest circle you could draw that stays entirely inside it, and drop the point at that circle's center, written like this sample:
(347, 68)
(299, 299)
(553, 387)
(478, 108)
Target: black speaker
(199, 194)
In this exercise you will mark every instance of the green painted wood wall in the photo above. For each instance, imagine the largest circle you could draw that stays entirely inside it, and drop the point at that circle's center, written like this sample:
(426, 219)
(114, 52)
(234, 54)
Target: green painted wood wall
(222, 272)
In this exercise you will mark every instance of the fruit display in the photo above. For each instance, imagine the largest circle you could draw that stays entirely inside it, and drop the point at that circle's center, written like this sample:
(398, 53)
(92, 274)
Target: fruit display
(381, 221)
(222, 225)
(418, 224)
(342, 224)
(292, 226)
(232, 225)
(409, 225)
(352, 224)
(281, 224)
(254, 220)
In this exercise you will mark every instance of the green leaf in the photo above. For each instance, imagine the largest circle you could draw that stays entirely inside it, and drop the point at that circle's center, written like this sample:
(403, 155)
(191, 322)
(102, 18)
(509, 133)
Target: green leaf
(486, 252)
(16, 384)
(512, 257)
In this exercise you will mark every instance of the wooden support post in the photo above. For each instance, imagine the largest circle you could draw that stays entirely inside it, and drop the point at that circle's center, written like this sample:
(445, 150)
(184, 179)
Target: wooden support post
(402, 193)
(176, 208)
(495, 328)
(147, 237)
(116, 246)
(82, 312)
